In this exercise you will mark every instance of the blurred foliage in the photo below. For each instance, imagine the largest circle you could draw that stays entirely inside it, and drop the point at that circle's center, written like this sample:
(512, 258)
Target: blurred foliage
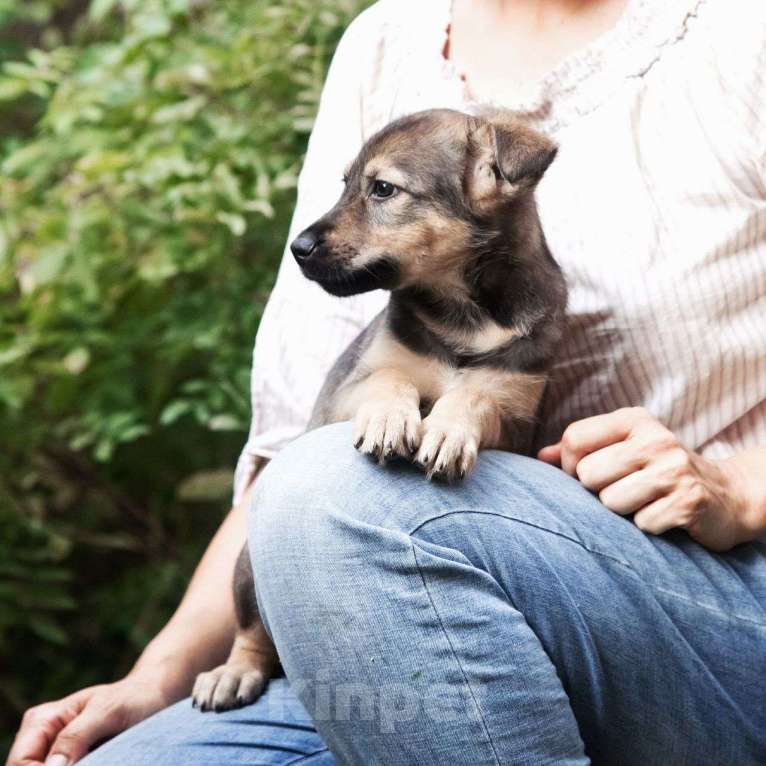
(148, 157)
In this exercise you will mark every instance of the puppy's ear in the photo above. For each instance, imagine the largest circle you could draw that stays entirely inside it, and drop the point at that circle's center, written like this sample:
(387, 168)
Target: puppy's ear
(503, 158)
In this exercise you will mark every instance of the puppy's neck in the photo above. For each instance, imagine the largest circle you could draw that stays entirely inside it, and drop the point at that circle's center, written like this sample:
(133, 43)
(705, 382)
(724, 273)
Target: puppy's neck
(506, 287)
(513, 274)
(501, 275)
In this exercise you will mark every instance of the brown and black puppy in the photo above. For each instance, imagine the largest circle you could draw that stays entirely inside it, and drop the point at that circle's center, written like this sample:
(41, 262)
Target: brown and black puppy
(439, 209)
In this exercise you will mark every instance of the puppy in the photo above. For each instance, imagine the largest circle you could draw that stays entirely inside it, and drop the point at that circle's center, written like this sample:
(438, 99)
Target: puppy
(438, 208)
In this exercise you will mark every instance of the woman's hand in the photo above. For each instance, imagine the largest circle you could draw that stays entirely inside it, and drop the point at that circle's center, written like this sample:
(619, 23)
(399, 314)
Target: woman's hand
(60, 733)
(637, 466)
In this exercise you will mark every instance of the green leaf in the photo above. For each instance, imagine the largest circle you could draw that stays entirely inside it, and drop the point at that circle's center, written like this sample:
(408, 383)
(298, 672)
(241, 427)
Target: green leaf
(99, 9)
(181, 111)
(224, 423)
(76, 360)
(205, 486)
(175, 410)
(236, 223)
(48, 630)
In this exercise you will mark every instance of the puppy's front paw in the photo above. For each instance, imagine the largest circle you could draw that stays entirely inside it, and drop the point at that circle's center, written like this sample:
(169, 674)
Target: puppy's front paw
(385, 429)
(448, 448)
(228, 686)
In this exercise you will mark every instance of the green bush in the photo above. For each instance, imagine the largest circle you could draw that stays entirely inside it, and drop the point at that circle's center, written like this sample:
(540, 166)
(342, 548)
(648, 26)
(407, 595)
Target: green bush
(148, 156)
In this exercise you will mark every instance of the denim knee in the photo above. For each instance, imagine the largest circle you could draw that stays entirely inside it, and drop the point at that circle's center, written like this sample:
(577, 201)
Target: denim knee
(299, 495)
(320, 504)
(315, 471)
(320, 481)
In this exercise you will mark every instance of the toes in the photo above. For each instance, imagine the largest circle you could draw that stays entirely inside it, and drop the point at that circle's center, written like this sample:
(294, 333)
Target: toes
(399, 433)
(227, 688)
(444, 465)
(225, 695)
(392, 438)
(204, 687)
(454, 459)
(411, 439)
(468, 459)
(463, 458)
(387, 433)
(250, 687)
(360, 427)
(446, 452)
(372, 440)
(429, 450)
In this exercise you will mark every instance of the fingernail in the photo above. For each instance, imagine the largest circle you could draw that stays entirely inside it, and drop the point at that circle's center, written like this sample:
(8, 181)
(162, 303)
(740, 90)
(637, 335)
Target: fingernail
(57, 760)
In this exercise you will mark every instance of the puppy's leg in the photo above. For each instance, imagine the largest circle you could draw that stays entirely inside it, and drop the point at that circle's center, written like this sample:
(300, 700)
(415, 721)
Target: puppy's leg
(386, 410)
(253, 658)
(476, 413)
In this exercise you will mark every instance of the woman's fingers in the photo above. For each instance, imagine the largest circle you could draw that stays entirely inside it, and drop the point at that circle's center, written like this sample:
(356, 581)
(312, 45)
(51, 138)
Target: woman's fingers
(591, 434)
(31, 744)
(661, 516)
(606, 466)
(588, 436)
(638, 466)
(40, 727)
(644, 477)
(634, 492)
(75, 740)
(551, 454)
(60, 733)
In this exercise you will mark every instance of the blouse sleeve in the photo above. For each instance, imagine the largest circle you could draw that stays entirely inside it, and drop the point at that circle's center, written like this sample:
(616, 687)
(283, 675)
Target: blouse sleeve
(303, 329)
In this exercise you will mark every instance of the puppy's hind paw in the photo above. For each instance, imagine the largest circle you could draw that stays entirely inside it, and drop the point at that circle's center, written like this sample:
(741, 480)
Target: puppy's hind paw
(227, 687)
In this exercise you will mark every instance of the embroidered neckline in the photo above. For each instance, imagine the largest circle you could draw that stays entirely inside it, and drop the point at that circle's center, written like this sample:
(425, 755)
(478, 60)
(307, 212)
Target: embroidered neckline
(587, 77)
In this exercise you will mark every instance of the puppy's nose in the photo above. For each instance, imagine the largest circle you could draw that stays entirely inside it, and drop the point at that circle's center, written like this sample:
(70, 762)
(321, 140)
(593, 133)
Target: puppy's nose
(304, 245)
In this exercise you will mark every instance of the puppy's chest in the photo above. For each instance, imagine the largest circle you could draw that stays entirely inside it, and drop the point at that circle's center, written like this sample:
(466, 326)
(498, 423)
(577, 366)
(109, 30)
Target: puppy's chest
(436, 357)
(486, 338)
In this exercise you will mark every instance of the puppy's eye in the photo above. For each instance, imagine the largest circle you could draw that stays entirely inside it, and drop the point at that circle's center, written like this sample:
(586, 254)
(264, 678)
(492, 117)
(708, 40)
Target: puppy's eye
(383, 189)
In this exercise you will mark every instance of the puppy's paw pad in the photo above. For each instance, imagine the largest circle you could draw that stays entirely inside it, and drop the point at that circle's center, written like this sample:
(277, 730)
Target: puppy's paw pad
(228, 687)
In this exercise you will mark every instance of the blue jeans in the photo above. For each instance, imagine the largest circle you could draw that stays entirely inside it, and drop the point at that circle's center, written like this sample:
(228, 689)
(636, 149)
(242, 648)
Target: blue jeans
(510, 619)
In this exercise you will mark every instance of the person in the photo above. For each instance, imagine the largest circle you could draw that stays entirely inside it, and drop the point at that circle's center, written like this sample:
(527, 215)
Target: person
(610, 610)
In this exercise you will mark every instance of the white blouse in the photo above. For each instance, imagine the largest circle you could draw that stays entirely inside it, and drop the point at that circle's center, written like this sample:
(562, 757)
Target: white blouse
(655, 208)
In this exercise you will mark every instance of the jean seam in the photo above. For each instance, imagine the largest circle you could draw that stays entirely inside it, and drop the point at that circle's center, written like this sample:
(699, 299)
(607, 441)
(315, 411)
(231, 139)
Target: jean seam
(485, 512)
(454, 653)
(305, 758)
(454, 511)
(650, 585)
(708, 607)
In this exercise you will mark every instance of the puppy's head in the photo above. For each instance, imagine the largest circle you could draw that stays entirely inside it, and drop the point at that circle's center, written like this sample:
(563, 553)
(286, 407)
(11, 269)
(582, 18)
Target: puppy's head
(419, 197)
